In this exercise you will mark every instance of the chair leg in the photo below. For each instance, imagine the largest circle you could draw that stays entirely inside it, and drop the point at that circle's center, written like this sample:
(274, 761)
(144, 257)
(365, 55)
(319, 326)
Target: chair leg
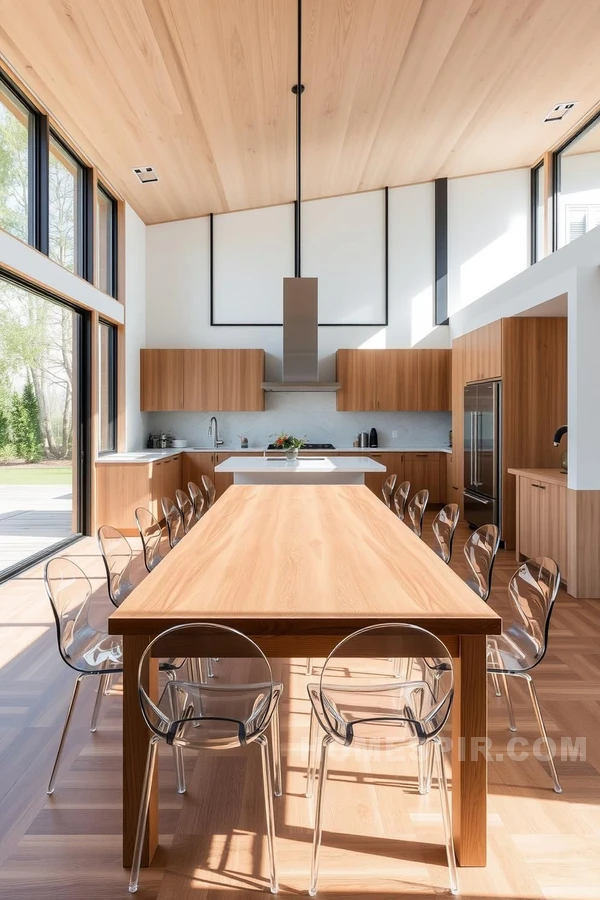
(309, 666)
(314, 868)
(76, 686)
(276, 741)
(509, 706)
(446, 815)
(143, 814)
(209, 667)
(100, 693)
(108, 685)
(312, 754)
(179, 769)
(542, 727)
(270, 812)
(493, 653)
(425, 766)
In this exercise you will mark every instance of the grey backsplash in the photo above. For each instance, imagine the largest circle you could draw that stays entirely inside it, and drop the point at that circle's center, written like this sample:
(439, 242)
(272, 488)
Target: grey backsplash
(313, 416)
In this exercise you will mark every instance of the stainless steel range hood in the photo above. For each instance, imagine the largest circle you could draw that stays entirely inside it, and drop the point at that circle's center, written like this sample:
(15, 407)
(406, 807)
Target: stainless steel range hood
(300, 339)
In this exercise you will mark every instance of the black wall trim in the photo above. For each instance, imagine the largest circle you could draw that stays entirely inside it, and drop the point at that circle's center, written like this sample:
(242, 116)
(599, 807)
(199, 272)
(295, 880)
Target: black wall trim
(87, 221)
(386, 281)
(39, 200)
(533, 196)
(441, 252)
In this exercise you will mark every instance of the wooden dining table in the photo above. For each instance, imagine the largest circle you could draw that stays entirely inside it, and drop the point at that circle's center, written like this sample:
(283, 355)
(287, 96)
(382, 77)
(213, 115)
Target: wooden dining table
(298, 567)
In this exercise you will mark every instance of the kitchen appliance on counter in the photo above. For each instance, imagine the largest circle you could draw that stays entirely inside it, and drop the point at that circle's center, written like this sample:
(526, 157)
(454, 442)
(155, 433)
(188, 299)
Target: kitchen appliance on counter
(373, 441)
(306, 447)
(564, 460)
(363, 439)
(482, 433)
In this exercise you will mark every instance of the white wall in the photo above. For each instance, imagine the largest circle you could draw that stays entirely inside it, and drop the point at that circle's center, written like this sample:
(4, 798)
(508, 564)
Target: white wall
(579, 187)
(488, 233)
(136, 424)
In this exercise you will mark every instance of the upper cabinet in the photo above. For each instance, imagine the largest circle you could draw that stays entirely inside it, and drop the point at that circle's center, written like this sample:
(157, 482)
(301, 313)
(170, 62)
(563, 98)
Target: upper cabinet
(483, 352)
(409, 380)
(202, 380)
(161, 380)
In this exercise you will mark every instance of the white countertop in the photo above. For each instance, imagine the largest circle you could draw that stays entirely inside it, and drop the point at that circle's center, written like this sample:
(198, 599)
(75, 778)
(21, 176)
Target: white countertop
(258, 464)
(142, 457)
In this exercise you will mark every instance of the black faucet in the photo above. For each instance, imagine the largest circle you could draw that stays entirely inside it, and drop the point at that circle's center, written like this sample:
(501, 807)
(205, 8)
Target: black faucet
(559, 434)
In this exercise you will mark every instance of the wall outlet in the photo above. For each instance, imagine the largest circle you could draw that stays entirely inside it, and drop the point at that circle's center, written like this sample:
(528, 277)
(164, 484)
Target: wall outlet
(394, 434)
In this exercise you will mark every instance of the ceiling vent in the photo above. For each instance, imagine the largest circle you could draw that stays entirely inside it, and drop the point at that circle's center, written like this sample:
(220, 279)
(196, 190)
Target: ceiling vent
(146, 174)
(559, 111)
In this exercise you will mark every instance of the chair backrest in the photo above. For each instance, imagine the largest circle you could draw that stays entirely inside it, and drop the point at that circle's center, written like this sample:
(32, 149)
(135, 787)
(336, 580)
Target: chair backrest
(444, 526)
(387, 489)
(480, 552)
(363, 703)
(416, 510)
(211, 491)
(229, 709)
(69, 591)
(151, 535)
(186, 509)
(532, 591)
(117, 555)
(198, 499)
(400, 498)
(174, 521)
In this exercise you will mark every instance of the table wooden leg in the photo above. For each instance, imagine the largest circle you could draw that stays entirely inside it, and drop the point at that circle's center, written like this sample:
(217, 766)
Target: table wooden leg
(136, 736)
(469, 752)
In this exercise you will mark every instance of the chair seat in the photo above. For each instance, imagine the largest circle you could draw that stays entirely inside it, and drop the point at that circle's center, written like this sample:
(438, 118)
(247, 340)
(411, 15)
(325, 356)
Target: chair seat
(518, 652)
(123, 591)
(94, 652)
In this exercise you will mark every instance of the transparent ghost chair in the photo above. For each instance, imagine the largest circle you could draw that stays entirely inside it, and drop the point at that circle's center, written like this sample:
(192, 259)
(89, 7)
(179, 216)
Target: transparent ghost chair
(151, 535)
(233, 710)
(523, 643)
(211, 491)
(359, 703)
(83, 648)
(174, 520)
(444, 526)
(400, 498)
(186, 509)
(480, 551)
(118, 557)
(198, 500)
(416, 510)
(387, 489)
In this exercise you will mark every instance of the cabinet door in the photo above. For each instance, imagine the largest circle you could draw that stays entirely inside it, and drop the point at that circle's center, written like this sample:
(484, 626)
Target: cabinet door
(157, 488)
(120, 489)
(241, 374)
(553, 524)
(161, 380)
(201, 380)
(356, 372)
(484, 352)
(397, 380)
(394, 464)
(458, 384)
(529, 518)
(223, 480)
(194, 466)
(433, 380)
(423, 471)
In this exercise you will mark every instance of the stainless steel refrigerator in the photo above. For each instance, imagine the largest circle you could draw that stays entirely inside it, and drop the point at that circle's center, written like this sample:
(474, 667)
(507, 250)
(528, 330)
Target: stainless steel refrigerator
(482, 424)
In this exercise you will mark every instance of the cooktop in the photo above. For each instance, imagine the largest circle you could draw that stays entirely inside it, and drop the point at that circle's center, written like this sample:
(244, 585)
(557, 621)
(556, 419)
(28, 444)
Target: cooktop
(307, 447)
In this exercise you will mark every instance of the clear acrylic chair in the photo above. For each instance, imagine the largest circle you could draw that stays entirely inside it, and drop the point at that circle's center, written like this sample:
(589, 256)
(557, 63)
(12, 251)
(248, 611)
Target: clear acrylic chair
(83, 648)
(416, 510)
(151, 535)
(444, 526)
(186, 509)
(400, 498)
(387, 489)
(359, 703)
(234, 709)
(210, 489)
(523, 643)
(174, 521)
(480, 551)
(118, 557)
(198, 499)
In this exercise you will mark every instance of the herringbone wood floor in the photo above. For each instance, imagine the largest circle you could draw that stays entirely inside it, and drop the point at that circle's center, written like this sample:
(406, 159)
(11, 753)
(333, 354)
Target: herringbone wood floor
(381, 839)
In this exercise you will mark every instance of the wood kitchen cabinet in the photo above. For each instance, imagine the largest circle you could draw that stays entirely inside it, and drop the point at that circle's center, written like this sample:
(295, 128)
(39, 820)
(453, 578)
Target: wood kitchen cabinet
(426, 470)
(434, 380)
(456, 481)
(542, 519)
(121, 488)
(483, 357)
(393, 462)
(194, 466)
(161, 380)
(408, 380)
(241, 374)
(357, 374)
(200, 380)
(223, 480)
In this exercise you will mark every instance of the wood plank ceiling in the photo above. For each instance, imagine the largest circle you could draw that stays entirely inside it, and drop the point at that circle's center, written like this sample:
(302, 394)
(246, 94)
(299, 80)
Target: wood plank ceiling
(397, 91)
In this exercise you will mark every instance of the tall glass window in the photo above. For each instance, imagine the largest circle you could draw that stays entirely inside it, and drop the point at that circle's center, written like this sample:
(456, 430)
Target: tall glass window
(107, 387)
(105, 242)
(539, 220)
(65, 212)
(16, 125)
(578, 185)
(40, 424)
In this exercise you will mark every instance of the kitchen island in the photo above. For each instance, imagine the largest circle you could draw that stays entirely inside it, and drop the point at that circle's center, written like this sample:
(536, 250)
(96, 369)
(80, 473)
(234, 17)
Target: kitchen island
(305, 470)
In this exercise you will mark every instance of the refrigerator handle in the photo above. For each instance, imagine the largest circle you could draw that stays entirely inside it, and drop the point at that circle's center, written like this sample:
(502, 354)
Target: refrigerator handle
(478, 421)
(472, 449)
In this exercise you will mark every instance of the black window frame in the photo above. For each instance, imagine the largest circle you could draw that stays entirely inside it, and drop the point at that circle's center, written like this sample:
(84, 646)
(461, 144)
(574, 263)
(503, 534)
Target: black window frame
(113, 263)
(84, 254)
(590, 123)
(112, 387)
(533, 250)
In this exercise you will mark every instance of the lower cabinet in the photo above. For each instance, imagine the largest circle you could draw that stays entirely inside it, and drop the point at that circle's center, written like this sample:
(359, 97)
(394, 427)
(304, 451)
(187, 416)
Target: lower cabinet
(194, 466)
(426, 470)
(541, 521)
(223, 480)
(121, 488)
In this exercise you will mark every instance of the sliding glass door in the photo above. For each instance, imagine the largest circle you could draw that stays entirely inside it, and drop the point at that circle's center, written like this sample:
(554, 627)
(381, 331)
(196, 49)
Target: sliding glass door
(42, 424)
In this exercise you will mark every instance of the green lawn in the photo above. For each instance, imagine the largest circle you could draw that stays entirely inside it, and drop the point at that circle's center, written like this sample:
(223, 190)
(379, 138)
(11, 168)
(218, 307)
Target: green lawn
(35, 475)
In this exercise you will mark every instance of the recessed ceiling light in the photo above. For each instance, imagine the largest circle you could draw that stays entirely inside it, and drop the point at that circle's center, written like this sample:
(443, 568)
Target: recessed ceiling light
(146, 174)
(559, 111)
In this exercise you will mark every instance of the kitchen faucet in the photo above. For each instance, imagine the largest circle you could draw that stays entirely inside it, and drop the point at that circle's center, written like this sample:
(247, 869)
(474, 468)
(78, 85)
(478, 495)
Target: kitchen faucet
(214, 435)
